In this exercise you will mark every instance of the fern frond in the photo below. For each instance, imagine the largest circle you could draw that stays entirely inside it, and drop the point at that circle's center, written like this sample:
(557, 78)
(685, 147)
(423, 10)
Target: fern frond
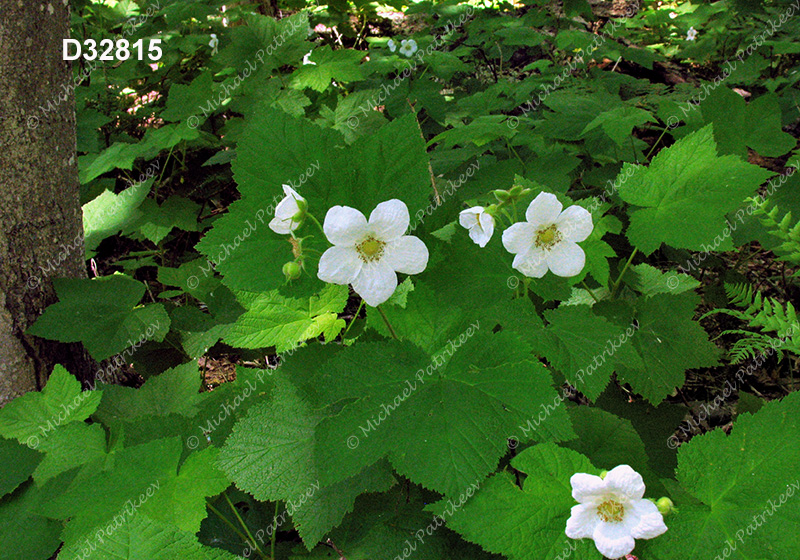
(768, 315)
(782, 227)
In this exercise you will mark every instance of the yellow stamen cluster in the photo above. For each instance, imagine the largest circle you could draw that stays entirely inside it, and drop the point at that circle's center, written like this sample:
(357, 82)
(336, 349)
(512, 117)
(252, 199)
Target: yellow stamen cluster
(547, 237)
(611, 511)
(370, 249)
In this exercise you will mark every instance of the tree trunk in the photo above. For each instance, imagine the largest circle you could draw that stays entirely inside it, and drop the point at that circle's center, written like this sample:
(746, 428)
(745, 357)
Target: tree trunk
(41, 230)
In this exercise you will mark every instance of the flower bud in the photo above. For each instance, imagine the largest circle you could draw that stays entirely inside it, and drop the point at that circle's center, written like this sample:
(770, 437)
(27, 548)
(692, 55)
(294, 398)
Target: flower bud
(515, 191)
(302, 206)
(501, 195)
(665, 505)
(291, 270)
(603, 473)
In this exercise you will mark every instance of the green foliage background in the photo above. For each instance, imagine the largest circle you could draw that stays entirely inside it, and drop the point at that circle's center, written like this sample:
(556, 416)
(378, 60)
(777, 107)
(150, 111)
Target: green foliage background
(345, 448)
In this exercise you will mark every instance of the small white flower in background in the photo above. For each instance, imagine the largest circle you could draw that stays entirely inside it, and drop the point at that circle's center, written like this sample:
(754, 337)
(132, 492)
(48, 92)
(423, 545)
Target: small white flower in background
(408, 47)
(288, 212)
(214, 44)
(672, 15)
(369, 254)
(392, 45)
(547, 240)
(307, 59)
(612, 511)
(479, 223)
(692, 34)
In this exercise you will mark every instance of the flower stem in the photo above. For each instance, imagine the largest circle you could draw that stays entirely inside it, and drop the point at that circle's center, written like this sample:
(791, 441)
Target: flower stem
(313, 219)
(388, 324)
(656, 144)
(355, 316)
(233, 527)
(583, 283)
(274, 535)
(242, 523)
(618, 283)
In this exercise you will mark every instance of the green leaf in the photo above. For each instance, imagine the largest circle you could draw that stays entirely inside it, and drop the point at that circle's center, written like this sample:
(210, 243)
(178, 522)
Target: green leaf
(267, 42)
(109, 213)
(68, 447)
(19, 462)
(608, 441)
(584, 347)
(738, 125)
(173, 391)
(102, 314)
(140, 538)
(181, 502)
(155, 222)
(282, 464)
(668, 342)
(394, 525)
(25, 535)
(528, 523)
(649, 281)
(33, 416)
(184, 100)
(442, 421)
(342, 65)
(741, 489)
(273, 320)
(618, 123)
(687, 179)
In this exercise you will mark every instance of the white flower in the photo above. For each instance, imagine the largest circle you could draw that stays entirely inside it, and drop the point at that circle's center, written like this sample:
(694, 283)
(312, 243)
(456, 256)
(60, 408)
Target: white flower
(307, 59)
(612, 511)
(672, 15)
(392, 45)
(369, 254)
(692, 34)
(548, 239)
(214, 43)
(408, 47)
(288, 212)
(479, 223)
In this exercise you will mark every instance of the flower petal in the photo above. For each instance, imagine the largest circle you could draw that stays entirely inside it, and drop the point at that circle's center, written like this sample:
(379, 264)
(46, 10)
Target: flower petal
(519, 238)
(532, 264)
(376, 282)
(625, 482)
(339, 265)
(544, 209)
(566, 259)
(613, 539)
(290, 192)
(282, 226)
(575, 223)
(286, 208)
(389, 220)
(646, 522)
(344, 225)
(408, 255)
(587, 488)
(582, 521)
(470, 217)
(481, 233)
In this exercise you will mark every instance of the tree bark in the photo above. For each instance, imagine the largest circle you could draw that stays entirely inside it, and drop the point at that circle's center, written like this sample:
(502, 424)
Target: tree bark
(41, 230)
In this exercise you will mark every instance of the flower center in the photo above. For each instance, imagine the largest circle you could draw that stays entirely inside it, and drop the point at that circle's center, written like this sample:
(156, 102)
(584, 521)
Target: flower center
(611, 511)
(370, 249)
(547, 237)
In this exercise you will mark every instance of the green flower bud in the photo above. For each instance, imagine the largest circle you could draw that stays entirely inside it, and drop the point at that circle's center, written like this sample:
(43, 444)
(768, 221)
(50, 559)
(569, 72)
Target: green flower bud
(603, 473)
(665, 505)
(515, 191)
(291, 270)
(501, 195)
